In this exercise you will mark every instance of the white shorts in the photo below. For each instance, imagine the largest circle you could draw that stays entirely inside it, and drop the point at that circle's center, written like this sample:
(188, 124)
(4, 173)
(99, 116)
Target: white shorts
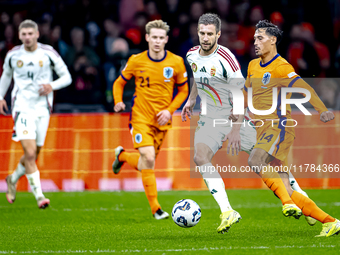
(30, 127)
(212, 136)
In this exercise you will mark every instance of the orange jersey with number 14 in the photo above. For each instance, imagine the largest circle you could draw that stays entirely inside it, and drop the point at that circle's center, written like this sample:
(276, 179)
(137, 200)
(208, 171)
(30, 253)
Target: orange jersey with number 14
(276, 73)
(155, 81)
(275, 137)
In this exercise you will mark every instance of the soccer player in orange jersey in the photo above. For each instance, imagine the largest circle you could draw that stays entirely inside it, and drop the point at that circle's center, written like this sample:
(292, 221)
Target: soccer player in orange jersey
(157, 72)
(274, 138)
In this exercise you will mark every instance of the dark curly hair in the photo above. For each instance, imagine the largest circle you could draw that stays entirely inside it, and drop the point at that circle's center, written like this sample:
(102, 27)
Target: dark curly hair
(271, 29)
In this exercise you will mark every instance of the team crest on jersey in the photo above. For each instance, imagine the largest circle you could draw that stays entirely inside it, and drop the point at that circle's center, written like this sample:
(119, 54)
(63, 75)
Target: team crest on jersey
(266, 78)
(168, 72)
(213, 71)
(41, 63)
(20, 63)
(138, 138)
(194, 67)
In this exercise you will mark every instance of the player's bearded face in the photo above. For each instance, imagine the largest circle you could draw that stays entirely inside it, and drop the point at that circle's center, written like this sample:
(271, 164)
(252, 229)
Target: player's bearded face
(262, 42)
(207, 46)
(156, 39)
(208, 37)
(28, 36)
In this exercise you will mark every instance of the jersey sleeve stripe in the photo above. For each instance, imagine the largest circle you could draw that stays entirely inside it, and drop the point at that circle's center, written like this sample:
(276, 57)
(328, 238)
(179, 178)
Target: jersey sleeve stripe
(50, 49)
(123, 77)
(232, 65)
(293, 81)
(245, 88)
(230, 58)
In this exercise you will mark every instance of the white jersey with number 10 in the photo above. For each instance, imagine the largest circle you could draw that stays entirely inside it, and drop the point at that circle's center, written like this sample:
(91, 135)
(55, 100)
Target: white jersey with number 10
(214, 74)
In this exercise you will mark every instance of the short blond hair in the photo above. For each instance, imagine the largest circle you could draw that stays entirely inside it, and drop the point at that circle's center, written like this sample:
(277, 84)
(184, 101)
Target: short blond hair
(157, 24)
(28, 23)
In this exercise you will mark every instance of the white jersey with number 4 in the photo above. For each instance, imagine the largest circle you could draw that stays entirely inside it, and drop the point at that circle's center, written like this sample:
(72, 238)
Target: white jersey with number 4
(29, 70)
(215, 74)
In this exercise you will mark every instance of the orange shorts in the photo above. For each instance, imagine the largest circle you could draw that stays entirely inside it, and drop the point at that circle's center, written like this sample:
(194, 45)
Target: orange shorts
(274, 139)
(146, 135)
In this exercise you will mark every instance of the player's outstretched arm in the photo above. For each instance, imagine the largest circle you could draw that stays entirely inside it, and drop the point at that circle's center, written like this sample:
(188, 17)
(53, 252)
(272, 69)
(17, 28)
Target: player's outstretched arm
(315, 101)
(190, 104)
(326, 116)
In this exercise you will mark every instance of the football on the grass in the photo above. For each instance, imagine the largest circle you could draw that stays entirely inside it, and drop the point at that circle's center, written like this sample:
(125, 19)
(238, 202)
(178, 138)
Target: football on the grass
(186, 213)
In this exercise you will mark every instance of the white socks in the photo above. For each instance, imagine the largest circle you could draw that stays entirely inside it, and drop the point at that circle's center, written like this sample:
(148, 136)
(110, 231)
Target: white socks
(215, 184)
(18, 172)
(34, 181)
(295, 186)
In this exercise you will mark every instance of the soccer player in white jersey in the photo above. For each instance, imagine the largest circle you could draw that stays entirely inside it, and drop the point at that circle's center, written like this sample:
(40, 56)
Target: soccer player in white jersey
(30, 65)
(216, 72)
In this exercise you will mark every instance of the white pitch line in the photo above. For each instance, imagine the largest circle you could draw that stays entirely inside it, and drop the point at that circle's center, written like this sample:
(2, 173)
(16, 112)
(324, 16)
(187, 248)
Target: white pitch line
(120, 207)
(320, 245)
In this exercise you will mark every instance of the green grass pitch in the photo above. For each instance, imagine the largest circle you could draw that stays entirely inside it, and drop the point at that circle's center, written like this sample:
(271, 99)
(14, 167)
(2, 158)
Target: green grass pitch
(121, 223)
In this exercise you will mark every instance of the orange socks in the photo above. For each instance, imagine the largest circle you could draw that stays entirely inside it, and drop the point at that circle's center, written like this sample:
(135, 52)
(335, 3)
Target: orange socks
(130, 158)
(274, 182)
(150, 187)
(148, 178)
(309, 208)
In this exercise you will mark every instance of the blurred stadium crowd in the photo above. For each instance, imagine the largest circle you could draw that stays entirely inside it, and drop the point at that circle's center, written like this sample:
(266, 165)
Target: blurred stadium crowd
(96, 37)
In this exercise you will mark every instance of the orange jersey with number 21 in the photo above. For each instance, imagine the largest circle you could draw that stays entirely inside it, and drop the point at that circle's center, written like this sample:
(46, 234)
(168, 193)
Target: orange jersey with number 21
(155, 81)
